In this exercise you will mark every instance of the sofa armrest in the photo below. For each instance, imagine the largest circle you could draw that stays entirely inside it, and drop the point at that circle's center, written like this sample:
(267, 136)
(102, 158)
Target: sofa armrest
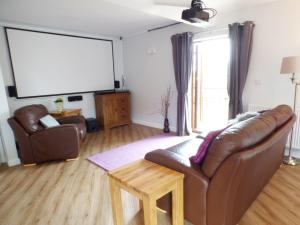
(55, 143)
(176, 162)
(71, 120)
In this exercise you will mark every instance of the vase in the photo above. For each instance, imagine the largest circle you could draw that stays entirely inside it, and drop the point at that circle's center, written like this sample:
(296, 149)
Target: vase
(166, 126)
(59, 106)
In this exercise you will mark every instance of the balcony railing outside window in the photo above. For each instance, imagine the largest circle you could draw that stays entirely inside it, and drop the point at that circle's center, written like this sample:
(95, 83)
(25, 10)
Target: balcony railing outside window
(209, 84)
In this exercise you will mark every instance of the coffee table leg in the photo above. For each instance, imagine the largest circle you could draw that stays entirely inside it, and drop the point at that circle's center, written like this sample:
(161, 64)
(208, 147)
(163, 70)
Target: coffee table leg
(116, 202)
(149, 206)
(177, 204)
(141, 204)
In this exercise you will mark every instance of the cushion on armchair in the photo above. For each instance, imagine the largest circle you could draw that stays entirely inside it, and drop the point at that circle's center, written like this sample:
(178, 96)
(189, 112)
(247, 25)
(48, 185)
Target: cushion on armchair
(49, 121)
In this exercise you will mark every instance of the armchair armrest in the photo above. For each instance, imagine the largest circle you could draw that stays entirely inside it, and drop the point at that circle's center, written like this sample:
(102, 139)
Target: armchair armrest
(55, 143)
(71, 120)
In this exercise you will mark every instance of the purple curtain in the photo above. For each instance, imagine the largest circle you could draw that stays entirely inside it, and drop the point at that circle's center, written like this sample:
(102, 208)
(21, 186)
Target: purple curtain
(241, 46)
(182, 59)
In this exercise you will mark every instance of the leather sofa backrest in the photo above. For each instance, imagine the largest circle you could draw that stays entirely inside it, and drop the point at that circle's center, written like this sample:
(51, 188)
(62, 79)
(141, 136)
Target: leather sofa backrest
(243, 135)
(281, 113)
(29, 116)
(243, 175)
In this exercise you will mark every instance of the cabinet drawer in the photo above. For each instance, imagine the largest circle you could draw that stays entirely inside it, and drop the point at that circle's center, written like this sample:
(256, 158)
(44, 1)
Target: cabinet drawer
(123, 109)
(122, 100)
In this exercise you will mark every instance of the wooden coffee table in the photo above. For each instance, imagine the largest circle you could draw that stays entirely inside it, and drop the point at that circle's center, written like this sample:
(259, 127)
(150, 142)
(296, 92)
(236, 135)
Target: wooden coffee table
(147, 181)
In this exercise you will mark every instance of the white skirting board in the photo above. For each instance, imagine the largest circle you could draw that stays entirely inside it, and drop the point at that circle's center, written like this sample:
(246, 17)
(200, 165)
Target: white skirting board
(2, 156)
(151, 124)
(13, 162)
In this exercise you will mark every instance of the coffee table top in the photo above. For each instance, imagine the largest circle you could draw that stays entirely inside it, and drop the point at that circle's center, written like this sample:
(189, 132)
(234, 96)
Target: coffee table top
(145, 177)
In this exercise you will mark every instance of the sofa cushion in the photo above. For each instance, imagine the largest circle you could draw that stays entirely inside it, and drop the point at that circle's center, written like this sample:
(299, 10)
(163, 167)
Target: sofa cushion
(236, 138)
(29, 117)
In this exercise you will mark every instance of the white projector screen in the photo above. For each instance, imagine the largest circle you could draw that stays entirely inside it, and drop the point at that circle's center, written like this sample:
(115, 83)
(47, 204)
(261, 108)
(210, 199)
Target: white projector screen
(47, 64)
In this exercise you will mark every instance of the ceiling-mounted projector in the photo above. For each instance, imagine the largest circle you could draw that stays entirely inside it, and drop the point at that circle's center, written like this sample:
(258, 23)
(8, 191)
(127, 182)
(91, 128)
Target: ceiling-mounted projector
(198, 12)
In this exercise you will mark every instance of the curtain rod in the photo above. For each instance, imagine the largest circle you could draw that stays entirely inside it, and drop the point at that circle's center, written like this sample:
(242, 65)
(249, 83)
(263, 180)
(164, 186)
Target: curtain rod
(220, 29)
(174, 24)
(212, 30)
(162, 27)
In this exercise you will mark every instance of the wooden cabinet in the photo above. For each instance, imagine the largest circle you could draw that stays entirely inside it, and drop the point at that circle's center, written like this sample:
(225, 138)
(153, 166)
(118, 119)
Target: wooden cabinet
(113, 109)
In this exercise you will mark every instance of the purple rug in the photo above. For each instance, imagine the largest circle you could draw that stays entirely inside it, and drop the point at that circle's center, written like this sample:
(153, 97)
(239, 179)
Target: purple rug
(125, 154)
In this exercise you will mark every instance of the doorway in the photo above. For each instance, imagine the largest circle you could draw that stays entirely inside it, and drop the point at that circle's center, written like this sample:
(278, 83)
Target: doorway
(209, 83)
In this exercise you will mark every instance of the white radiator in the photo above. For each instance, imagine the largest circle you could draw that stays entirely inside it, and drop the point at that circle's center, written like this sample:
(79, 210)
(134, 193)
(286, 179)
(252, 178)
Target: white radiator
(296, 130)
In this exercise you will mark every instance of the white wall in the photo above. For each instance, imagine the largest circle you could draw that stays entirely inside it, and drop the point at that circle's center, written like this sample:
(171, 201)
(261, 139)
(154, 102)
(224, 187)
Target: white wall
(277, 34)
(2, 155)
(148, 75)
(8, 148)
(87, 105)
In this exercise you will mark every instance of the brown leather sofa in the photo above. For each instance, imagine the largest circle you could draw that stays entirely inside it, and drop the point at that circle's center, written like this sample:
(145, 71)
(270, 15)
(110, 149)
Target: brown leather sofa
(240, 162)
(37, 144)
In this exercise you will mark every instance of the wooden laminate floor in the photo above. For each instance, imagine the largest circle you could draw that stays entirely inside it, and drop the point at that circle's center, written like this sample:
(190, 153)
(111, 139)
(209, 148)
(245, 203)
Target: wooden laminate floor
(77, 193)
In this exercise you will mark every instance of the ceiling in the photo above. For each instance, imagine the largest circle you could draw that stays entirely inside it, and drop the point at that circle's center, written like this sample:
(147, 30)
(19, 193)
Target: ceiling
(172, 9)
(107, 17)
(90, 16)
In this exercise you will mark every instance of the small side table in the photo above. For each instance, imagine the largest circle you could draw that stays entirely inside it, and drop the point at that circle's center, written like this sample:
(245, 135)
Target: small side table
(147, 181)
(65, 113)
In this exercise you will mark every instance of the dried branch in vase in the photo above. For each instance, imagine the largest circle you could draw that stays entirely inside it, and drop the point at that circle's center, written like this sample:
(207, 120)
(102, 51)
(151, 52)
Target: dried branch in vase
(165, 102)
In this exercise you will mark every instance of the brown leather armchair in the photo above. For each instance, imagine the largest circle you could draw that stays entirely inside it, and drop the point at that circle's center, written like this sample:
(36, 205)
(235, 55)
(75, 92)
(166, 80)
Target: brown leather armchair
(239, 163)
(37, 144)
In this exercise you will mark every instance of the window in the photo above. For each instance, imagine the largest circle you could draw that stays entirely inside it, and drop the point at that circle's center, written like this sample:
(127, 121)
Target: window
(209, 83)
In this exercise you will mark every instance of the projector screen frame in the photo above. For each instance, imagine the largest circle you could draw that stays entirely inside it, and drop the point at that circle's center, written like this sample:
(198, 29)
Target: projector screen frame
(58, 34)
